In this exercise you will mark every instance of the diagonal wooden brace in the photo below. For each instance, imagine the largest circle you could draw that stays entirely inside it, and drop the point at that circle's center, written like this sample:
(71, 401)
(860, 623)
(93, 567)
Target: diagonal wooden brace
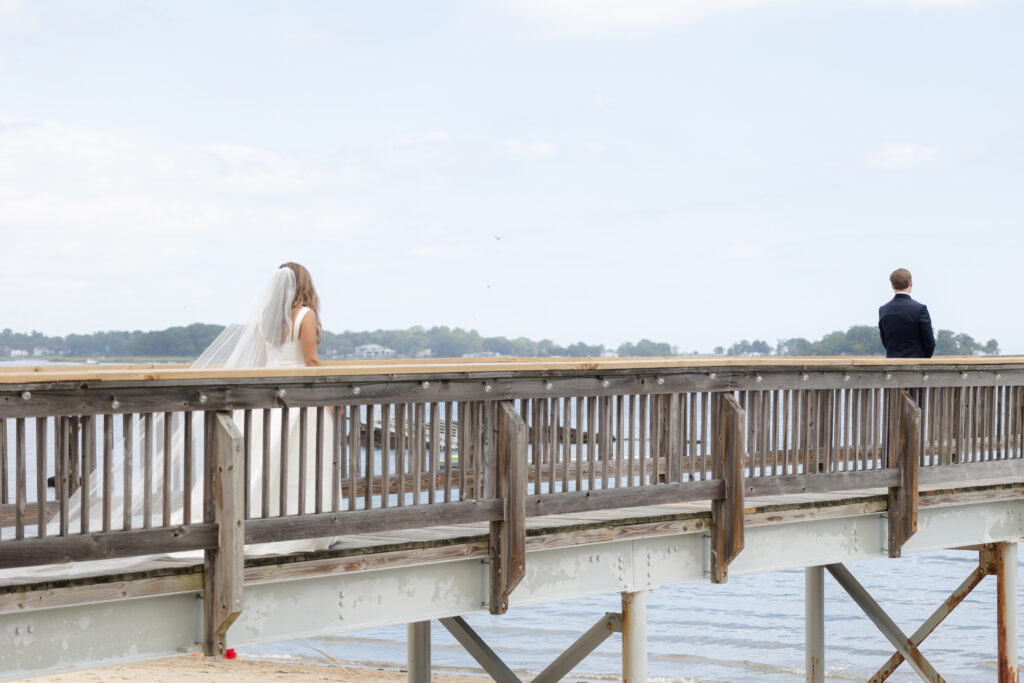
(906, 458)
(224, 504)
(508, 535)
(727, 464)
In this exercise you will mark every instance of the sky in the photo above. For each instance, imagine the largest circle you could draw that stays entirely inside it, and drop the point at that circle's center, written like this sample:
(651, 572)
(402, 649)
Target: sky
(688, 171)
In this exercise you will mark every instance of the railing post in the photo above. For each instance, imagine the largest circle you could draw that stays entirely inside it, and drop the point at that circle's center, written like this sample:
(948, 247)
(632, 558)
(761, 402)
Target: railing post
(224, 502)
(903, 498)
(727, 464)
(508, 535)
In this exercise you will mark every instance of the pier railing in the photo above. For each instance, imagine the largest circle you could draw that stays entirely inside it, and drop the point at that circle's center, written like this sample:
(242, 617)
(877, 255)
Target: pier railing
(120, 461)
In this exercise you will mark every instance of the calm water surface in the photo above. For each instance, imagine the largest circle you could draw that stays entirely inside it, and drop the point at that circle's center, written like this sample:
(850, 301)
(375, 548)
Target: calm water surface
(750, 629)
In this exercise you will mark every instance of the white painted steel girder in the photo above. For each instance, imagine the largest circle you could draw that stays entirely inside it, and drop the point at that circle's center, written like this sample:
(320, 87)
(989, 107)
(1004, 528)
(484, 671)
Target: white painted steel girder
(92, 635)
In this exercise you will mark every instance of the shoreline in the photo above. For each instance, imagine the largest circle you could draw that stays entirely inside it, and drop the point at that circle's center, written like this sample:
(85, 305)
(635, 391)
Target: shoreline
(197, 668)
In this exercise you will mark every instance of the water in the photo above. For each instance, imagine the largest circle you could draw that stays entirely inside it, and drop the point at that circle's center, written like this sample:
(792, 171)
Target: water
(750, 629)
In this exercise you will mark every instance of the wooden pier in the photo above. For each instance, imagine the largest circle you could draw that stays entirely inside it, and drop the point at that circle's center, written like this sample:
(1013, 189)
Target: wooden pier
(548, 480)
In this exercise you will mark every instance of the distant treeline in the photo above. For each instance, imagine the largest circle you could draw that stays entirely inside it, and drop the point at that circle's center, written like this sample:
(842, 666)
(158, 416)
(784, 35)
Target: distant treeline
(446, 342)
(859, 340)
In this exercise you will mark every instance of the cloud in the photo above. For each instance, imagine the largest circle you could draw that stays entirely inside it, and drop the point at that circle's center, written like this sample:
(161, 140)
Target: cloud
(899, 157)
(416, 149)
(529, 148)
(607, 16)
(301, 31)
(14, 17)
(73, 195)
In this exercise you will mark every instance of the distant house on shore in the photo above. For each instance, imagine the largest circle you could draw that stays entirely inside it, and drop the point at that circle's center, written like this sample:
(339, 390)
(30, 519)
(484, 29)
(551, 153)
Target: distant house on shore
(482, 354)
(425, 353)
(373, 351)
(17, 353)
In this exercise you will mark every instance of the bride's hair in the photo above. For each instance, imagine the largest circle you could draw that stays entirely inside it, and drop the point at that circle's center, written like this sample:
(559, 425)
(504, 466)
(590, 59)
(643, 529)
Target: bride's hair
(305, 293)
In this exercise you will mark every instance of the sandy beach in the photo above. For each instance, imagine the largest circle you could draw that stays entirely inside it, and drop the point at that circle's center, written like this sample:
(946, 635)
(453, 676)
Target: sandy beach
(190, 668)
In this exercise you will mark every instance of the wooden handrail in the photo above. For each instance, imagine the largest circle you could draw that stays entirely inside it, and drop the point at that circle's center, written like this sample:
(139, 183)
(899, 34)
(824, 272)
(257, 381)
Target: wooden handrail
(479, 366)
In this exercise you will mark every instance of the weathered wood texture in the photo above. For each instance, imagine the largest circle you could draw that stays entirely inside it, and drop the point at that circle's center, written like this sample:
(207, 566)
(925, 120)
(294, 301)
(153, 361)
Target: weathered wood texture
(417, 436)
(223, 575)
(903, 497)
(727, 512)
(508, 534)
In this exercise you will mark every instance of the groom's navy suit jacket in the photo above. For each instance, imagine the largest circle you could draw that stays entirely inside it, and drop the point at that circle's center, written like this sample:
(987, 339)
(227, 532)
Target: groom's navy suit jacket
(906, 328)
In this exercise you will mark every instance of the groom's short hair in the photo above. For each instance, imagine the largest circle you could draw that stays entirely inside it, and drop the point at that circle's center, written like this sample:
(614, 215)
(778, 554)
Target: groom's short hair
(900, 278)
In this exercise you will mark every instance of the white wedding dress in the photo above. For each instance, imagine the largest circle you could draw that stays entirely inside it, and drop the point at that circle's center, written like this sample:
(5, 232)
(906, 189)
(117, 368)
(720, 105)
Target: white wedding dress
(287, 355)
(269, 339)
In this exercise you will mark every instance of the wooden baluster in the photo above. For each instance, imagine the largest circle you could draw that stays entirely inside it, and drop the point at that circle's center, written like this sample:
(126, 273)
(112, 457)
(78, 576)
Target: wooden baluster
(128, 443)
(246, 458)
(282, 489)
(705, 434)
(85, 480)
(41, 477)
(604, 437)
(463, 416)
(168, 473)
(368, 459)
(656, 415)
(265, 484)
(566, 440)
(108, 470)
(302, 460)
(147, 470)
(353, 455)
(773, 447)
(189, 464)
(969, 431)
(339, 454)
(318, 453)
(691, 433)
(531, 408)
(435, 451)
(4, 476)
(385, 452)
(620, 405)
(419, 453)
(401, 442)
(19, 478)
(579, 442)
(552, 441)
(448, 422)
(787, 418)
(643, 449)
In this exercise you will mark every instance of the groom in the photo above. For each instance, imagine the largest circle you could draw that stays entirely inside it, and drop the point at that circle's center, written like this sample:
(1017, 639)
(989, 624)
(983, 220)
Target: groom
(904, 324)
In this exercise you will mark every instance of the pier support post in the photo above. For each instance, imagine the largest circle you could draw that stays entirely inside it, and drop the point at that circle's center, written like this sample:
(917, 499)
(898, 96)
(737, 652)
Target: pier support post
(225, 504)
(634, 637)
(1006, 595)
(418, 651)
(814, 623)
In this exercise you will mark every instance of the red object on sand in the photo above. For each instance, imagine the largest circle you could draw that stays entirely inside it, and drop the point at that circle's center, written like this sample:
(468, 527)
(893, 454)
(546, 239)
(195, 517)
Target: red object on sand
(230, 654)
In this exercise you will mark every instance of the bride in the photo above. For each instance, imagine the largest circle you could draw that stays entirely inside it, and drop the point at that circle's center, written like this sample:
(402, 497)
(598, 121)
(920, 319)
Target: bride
(283, 331)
